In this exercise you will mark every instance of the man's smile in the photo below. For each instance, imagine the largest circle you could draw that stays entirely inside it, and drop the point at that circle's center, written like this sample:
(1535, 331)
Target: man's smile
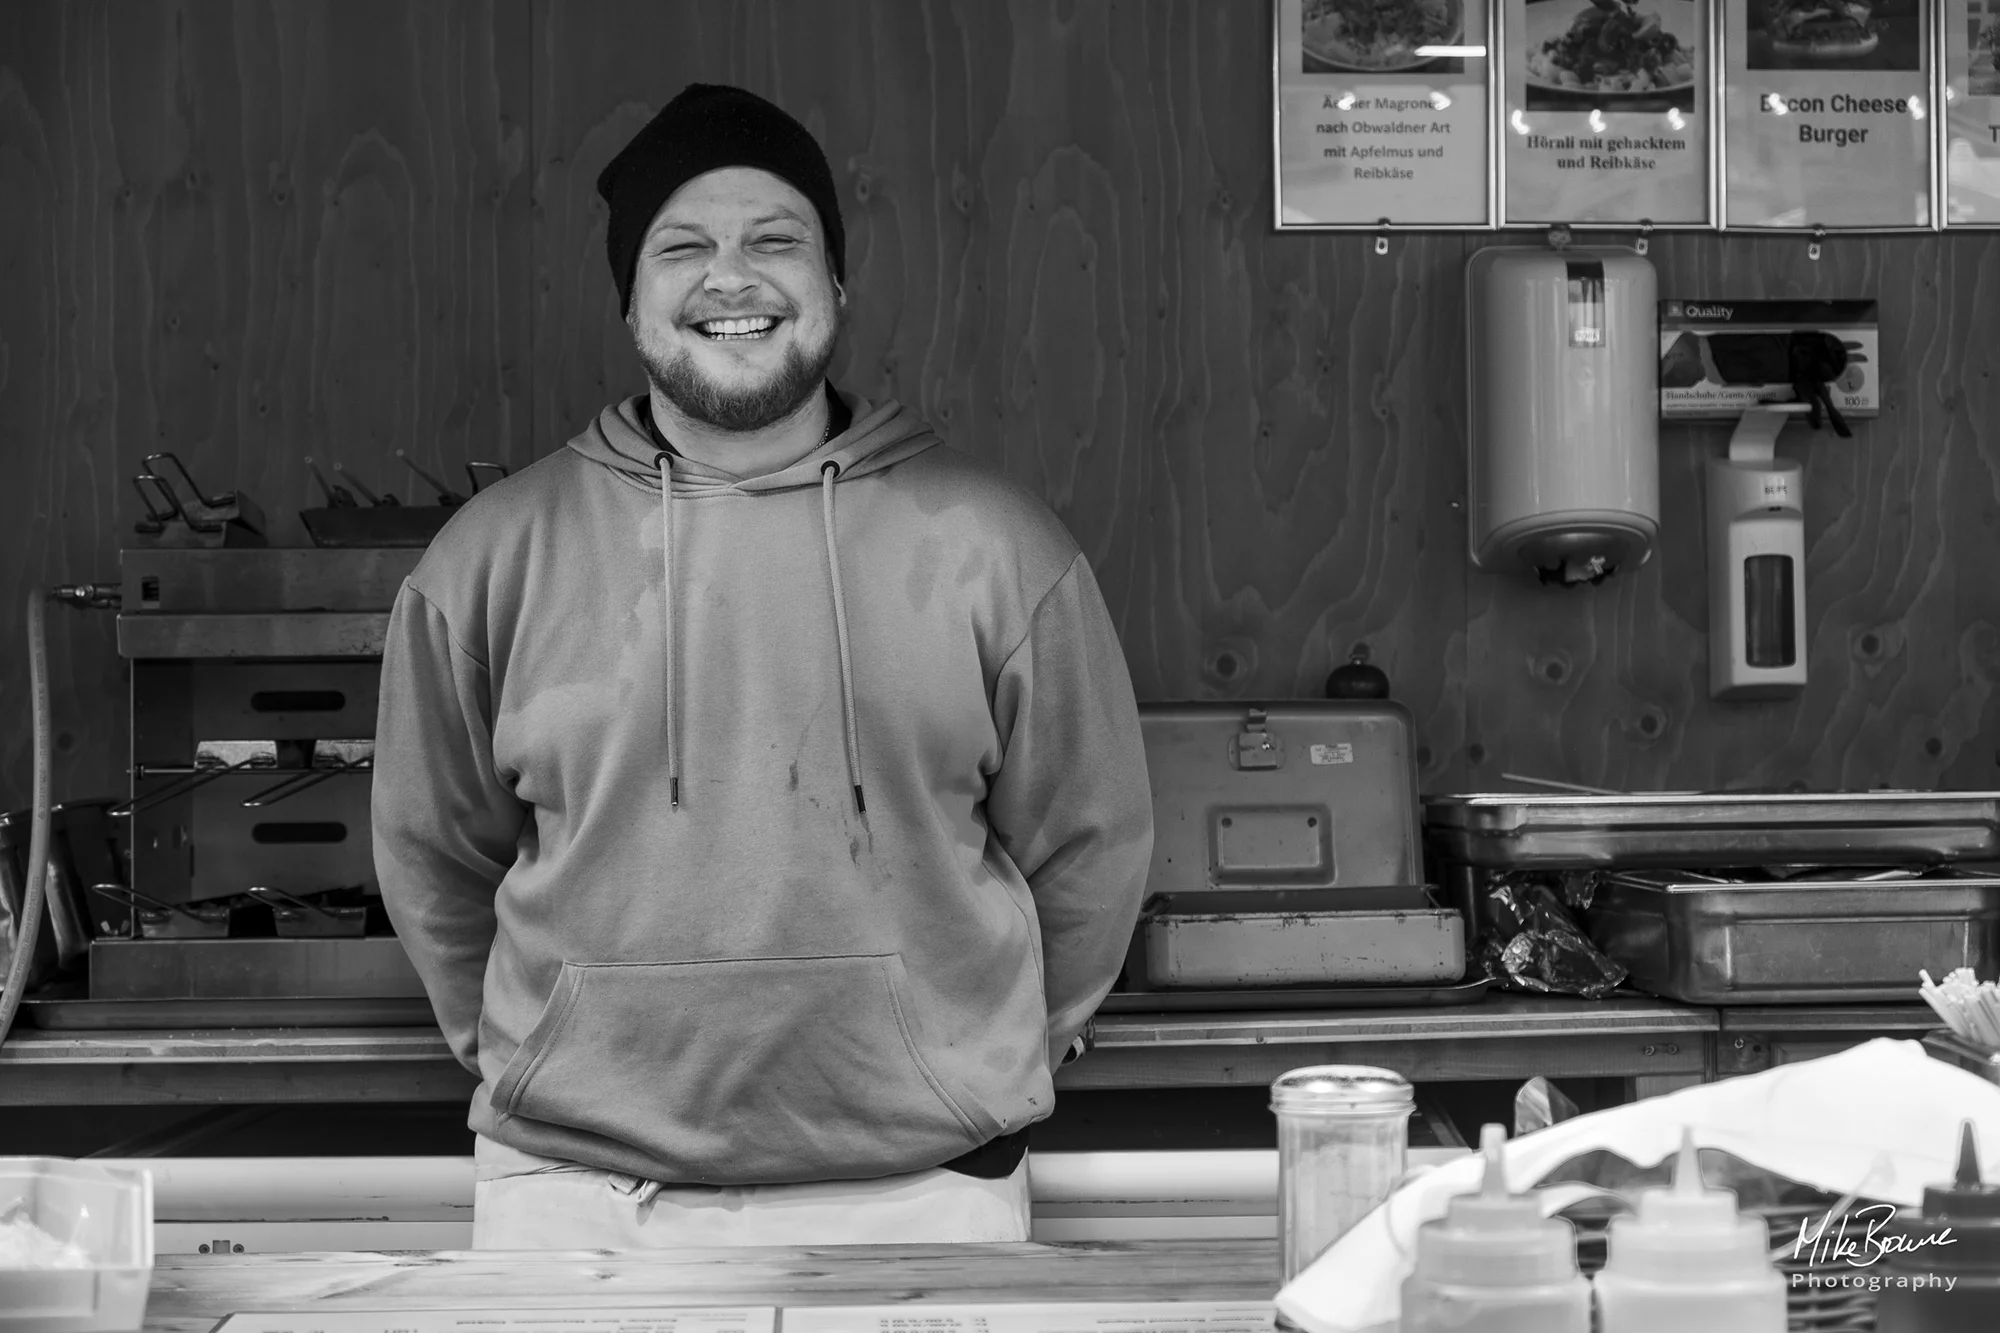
(742, 329)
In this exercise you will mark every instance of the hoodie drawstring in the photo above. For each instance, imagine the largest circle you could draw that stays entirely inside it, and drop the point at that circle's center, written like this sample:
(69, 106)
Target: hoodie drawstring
(664, 461)
(829, 471)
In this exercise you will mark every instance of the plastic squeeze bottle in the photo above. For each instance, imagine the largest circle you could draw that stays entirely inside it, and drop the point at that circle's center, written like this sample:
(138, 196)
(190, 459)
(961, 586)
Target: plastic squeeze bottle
(1941, 1266)
(1494, 1264)
(1689, 1260)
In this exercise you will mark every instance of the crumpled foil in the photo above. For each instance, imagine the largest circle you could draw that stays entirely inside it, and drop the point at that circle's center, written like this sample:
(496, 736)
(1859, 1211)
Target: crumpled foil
(1532, 941)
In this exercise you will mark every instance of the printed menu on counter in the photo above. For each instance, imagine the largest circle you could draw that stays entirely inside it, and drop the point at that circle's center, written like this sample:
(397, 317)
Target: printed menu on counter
(1607, 111)
(1972, 113)
(1381, 113)
(1094, 1317)
(656, 1319)
(1827, 106)
(1079, 1317)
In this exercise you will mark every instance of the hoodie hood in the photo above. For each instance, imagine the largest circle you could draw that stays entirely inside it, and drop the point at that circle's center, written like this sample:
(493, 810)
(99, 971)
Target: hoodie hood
(877, 437)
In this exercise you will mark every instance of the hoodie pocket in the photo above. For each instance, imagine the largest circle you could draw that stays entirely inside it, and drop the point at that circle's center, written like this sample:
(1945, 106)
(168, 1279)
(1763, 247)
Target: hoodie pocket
(742, 1070)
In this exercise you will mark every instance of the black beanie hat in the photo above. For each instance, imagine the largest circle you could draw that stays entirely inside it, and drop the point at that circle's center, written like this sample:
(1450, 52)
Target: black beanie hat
(707, 127)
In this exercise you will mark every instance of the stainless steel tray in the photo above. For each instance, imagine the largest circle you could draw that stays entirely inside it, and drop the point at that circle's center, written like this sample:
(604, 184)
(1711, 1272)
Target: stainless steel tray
(1294, 998)
(1312, 937)
(1799, 941)
(371, 968)
(58, 1012)
(1714, 829)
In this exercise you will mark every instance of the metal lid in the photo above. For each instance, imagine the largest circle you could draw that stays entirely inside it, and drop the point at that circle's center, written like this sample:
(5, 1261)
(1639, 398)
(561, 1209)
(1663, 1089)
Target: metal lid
(1342, 1090)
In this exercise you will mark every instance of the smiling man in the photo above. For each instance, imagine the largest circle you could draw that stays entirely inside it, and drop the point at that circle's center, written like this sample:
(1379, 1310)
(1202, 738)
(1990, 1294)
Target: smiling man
(758, 785)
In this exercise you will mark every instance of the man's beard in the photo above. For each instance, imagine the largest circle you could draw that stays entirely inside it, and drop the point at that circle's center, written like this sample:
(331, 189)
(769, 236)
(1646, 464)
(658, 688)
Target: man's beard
(681, 382)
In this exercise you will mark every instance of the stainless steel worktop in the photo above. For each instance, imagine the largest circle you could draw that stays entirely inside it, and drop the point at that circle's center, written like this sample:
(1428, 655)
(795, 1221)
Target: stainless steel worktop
(1504, 1037)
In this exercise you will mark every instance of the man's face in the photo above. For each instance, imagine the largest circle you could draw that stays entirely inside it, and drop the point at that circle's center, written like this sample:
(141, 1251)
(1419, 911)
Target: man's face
(734, 307)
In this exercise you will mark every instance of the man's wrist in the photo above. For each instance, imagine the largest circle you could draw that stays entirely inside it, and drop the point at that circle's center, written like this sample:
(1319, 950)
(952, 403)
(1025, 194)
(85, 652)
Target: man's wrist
(1079, 1045)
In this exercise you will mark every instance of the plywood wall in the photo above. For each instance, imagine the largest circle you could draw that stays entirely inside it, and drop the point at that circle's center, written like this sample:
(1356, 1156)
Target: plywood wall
(252, 232)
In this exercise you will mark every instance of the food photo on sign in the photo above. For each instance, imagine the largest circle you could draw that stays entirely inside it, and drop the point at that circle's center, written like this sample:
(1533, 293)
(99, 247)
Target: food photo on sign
(1609, 122)
(1982, 19)
(1613, 54)
(1383, 110)
(1380, 36)
(1828, 120)
(1835, 34)
(1972, 83)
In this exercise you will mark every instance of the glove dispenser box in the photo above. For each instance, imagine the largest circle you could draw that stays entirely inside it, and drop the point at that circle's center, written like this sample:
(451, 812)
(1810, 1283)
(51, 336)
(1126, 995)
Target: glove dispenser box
(1286, 851)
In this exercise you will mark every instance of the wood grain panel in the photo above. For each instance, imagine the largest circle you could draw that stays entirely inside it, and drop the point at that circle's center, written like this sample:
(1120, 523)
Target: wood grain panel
(1609, 686)
(247, 234)
(1059, 249)
(251, 232)
(64, 227)
(195, 1294)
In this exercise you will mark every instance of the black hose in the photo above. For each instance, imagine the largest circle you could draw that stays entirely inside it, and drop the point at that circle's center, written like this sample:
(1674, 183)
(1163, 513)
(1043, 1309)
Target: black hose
(30, 924)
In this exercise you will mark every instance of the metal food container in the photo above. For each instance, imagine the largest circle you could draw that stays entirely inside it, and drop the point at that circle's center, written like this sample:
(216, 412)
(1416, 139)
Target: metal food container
(1948, 1046)
(1796, 941)
(1701, 830)
(1221, 941)
(1286, 850)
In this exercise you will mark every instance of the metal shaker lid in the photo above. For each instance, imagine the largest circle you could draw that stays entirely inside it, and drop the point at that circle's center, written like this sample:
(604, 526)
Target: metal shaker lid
(1342, 1090)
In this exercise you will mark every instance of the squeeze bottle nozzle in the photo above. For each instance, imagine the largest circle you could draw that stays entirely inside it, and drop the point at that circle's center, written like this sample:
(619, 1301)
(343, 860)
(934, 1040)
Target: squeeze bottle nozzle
(1968, 1198)
(1968, 1156)
(1690, 1202)
(1689, 1259)
(1689, 1221)
(1494, 1264)
(1945, 1275)
(1496, 1237)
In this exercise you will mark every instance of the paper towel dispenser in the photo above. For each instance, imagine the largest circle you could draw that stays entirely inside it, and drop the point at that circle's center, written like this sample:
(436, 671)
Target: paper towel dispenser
(1563, 464)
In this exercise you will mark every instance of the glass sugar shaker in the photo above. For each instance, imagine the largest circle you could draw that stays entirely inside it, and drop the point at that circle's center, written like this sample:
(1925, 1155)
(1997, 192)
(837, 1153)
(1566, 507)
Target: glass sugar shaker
(1343, 1136)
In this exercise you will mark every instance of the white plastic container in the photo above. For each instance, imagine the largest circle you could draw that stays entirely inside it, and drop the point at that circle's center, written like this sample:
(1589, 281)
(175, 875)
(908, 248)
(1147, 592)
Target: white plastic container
(105, 1212)
(1494, 1264)
(1690, 1260)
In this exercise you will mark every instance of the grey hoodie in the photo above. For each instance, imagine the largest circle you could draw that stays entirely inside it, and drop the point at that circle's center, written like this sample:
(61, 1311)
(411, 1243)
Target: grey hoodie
(798, 848)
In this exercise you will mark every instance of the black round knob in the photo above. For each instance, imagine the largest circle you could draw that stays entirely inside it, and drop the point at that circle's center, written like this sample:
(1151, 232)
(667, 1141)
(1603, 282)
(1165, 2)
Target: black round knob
(1357, 680)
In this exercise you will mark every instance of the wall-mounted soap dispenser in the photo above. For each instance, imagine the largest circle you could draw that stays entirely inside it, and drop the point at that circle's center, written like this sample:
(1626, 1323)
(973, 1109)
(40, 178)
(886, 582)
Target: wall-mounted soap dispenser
(1761, 364)
(1757, 563)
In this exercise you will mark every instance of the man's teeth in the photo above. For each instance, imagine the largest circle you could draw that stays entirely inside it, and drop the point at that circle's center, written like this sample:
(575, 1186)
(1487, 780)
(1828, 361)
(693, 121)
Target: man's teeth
(737, 328)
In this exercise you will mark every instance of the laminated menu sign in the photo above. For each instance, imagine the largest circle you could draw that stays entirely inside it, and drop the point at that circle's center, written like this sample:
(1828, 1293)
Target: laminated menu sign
(1826, 113)
(1972, 113)
(1607, 111)
(1381, 113)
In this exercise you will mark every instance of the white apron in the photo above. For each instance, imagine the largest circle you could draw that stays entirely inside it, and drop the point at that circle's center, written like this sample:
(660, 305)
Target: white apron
(525, 1202)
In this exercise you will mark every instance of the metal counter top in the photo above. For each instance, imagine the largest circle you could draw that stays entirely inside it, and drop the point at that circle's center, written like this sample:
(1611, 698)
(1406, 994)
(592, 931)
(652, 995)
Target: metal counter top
(1496, 1016)
(1505, 1037)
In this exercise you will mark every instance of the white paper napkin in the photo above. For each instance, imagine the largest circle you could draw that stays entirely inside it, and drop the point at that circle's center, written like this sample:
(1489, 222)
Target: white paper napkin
(1880, 1120)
